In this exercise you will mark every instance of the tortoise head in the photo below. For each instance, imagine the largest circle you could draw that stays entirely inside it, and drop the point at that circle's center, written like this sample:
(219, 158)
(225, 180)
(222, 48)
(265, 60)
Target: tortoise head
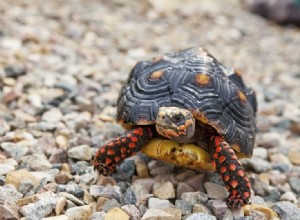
(176, 124)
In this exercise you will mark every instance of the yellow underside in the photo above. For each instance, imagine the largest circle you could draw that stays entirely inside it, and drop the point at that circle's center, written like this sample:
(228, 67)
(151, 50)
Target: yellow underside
(185, 155)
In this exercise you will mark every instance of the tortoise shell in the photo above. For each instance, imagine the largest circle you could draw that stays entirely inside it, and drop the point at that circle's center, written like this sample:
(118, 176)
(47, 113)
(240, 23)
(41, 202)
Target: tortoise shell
(194, 80)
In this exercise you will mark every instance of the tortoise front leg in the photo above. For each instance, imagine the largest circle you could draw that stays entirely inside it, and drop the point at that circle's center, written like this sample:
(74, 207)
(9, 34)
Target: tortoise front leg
(233, 174)
(112, 153)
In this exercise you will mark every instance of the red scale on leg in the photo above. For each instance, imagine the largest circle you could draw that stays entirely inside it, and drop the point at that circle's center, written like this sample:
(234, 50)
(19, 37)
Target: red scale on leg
(232, 172)
(112, 153)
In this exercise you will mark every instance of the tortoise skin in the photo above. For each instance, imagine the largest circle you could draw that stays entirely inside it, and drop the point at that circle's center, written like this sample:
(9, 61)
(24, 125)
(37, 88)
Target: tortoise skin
(222, 101)
(219, 100)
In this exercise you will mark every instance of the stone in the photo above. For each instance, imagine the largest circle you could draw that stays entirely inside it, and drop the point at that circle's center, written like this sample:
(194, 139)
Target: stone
(260, 152)
(98, 216)
(142, 169)
(269, 139)
(129, 197)
(155, 203)
(132, 211)
(201, 216)
(277, 178)
(175, 212)
(157, 214)
(81, 152)
(215, 191)
(195, 197)
(286, 210)
(80, 212)
(6, 168)
(201, 208)
(259, 210)
(141, 193)
(15, 70)
(87, 198)
(125, 171)
(58, 217)
(9, 192)
(185, 174)
(60, 205)
(39, 209)
(27, 200)
(116, 214)
(100, 203)
(110, 204)
(259, 165)
(219, 208)
(279, 158)
(147, 183)
(15, 177)
(71, 198)
(104, 191)
(183, 188)
(196, 182)
(71, 188)
(25, 186)
(106, 180)
(294, 157)
(9, 211)
(184, 206)
(295, 184)
(16, 151)
(54, 115)
(164, 190)
(37, 162)
(289, 196)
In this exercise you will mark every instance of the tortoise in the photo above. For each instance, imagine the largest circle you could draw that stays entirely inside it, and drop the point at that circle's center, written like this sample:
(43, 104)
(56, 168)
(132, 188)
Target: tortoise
(188, 97)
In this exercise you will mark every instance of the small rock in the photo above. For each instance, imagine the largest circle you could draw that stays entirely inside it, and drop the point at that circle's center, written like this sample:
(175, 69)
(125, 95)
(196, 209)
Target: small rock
(61, 141)
(15, 177)
(54, 115)
(9, 211)
(25, 186)
(125, 171)
(110, 204)
(132, 211)
(98, 216)
(164, 190)
(58, 217)
(9, 192)
(201, 208)
(155, 203)
(201, 216)
(215, 191)
(277, 178)
(106, 180)
(129, 197)
(81, 212)
(219, 208)
(71, 198)
(269, 140)
(279, 158)
(259, 210)
(183, 188)
(295, 184)
(273, 195)
(195, 197)
(259, 165)
(6, 168)
(196, 182)
(81, 152)
(63, 178)
(104, 191)
(15, 70)
(260, 152)
(184, 206)
(289, 196)
(16, 151)
(39, 209)
(145, 182)
(141, 193)
(175, 212)
(87, 198)
(100, 203)
(37, 162)
(286, 210)
(116, 214)
(60, 204)
(71, 188)
(141, 169)
(27, 200)
(185, 175)
(294, 157)
(156, 214)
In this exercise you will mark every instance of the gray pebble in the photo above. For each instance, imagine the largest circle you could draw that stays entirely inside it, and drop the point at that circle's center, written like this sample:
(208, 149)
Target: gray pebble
(201, 216)
(25, 186)
(129, 197)
(287, 210)
(110, 204)
(295, 184)
(184, 206)
(71, 188)
(15, 70)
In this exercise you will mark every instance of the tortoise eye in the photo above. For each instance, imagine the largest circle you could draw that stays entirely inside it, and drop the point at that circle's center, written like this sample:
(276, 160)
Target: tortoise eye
(177, 118)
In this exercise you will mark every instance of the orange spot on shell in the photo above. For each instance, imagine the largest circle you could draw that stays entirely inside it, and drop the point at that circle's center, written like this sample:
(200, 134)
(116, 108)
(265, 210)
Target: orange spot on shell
(110, 152)
(234, 183)
(156, 74)
(222, 159)
(202, 79)
(117, 159)
(232, 167)
(131, 145)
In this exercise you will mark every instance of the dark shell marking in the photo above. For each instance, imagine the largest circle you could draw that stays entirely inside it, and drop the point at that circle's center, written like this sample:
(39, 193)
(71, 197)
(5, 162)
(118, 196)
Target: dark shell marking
(194, 80)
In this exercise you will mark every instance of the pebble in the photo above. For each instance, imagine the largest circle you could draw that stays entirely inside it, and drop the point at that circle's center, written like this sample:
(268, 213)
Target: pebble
(6, 168)
(16, 151)
(215, 191)
(82, 152)
(15, 177)
(156, 214)
(145, 182)
(81, 212)
(155, 203)
(71, 188)
(98, 216)
(279, 158)
(39, 209)
(185, 174)
(125, 171)
(100, 203)
(286, 210)
(37, 162)
(60, 205)
(58, 217)
(184, 206)
(54, 115)
(141, 193)
(262, 211)
(141, 169)
(183, 188)
(132, 211)
(201, 208)
(259, 165)
(110, 204)
(195, 197)
(269, 139)
(25, 186)
(15, 70)
(9, 192)
(129, 197)
(219, 208)
(289, 196)
(71, 198)
(260, 152)
(164, 190)
(104, 191)
(196, 182)
(201, 216)
(9, 210)
(295, 184)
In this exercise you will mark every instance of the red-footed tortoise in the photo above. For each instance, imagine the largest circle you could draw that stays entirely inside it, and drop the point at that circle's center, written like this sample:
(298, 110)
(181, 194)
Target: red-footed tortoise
(190, 98)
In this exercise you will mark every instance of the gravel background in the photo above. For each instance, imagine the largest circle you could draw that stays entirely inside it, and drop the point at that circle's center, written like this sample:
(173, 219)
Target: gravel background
(62, 64)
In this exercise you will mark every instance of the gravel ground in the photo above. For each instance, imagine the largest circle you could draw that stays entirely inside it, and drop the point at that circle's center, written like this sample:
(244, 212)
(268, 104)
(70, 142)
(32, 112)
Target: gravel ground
(62, 64)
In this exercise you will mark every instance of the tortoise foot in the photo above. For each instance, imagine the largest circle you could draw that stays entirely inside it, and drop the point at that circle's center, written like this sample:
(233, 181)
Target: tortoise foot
(233, 174)
(114, 152)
